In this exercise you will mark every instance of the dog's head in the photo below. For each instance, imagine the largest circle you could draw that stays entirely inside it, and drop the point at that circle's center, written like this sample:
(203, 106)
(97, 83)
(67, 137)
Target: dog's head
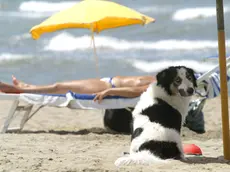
(177, 80)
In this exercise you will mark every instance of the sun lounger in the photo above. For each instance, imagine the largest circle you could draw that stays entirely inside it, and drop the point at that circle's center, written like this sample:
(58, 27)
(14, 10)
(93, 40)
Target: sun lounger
(209, 87)
(70, 100)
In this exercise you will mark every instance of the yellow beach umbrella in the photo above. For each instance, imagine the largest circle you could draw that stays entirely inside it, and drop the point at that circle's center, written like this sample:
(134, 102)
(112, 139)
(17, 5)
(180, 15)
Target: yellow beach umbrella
(96, 15)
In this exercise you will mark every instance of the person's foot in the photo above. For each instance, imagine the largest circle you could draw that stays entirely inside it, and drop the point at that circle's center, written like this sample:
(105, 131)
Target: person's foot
(20, 84)
(6, 88)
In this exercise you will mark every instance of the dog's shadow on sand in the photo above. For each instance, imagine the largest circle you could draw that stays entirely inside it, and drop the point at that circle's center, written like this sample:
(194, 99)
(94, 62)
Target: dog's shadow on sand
(94, 130)
(206, 160)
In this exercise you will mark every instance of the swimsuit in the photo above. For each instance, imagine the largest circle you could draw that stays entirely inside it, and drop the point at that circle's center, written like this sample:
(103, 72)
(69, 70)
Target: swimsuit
(108, 80)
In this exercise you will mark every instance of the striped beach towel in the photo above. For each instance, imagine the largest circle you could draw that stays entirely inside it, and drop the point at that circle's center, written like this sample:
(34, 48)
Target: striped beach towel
(210, 86)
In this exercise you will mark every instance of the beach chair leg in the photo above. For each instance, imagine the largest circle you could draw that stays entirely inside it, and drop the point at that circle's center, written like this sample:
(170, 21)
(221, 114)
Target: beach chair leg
(34, 112)
(10, 116)
(26, 116)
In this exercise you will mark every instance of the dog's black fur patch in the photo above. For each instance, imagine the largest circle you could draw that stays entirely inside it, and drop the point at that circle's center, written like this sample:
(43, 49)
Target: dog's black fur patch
(192, 74)
(162, 149)
(137, 132)
(165, 78)
(164, 114)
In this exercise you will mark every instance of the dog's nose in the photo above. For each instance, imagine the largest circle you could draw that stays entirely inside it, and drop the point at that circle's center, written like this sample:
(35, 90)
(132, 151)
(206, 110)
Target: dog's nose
(190, 91)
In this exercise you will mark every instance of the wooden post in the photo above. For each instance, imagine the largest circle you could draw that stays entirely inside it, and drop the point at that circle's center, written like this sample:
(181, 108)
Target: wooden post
(223, 78)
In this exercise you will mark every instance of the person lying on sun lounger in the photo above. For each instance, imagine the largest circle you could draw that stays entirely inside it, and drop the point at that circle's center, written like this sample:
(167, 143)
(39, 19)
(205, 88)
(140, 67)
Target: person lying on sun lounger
(126, 86)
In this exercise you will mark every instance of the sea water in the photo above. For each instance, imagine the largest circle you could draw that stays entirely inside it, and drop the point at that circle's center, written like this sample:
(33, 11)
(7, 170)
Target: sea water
(185, 33)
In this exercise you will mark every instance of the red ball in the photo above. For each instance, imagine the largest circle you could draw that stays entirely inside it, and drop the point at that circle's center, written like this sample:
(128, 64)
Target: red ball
(192, 149)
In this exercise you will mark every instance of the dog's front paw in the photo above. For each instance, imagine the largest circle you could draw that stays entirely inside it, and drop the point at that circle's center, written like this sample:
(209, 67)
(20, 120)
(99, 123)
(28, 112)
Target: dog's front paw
(122, 161)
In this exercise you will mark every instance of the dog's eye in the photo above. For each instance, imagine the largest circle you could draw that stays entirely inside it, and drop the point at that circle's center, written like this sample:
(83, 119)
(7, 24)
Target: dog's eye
(189, 77)
(178, 80)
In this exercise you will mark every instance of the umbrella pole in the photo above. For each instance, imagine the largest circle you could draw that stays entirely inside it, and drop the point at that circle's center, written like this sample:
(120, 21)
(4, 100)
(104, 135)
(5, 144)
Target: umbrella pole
(223, 78)
(95, 53)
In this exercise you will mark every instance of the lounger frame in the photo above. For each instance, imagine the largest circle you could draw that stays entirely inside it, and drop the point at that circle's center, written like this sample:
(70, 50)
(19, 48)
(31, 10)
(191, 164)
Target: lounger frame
(16, 109)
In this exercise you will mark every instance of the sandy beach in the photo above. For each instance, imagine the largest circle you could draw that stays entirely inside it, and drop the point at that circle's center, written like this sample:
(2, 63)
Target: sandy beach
(61, 139)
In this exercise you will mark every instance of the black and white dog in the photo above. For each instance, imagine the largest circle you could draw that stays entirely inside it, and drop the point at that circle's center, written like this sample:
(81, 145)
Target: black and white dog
(159, 116)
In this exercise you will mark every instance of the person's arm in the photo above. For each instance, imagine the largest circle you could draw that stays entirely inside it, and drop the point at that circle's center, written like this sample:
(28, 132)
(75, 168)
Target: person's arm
(122, 91)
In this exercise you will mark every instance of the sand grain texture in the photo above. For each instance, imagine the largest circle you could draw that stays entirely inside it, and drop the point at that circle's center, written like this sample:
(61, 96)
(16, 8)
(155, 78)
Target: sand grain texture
(61, 140)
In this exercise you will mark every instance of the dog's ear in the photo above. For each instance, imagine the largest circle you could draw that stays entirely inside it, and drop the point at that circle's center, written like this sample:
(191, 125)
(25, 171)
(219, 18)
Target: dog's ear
(165, 78)
(160, 76)
(166, 75)
(192, 73)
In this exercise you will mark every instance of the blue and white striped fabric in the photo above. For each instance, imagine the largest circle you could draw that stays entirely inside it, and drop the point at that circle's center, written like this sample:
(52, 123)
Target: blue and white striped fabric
(210, 87)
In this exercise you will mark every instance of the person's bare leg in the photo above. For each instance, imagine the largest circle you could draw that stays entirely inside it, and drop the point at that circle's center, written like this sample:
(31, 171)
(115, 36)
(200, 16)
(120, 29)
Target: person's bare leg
(88, 86)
